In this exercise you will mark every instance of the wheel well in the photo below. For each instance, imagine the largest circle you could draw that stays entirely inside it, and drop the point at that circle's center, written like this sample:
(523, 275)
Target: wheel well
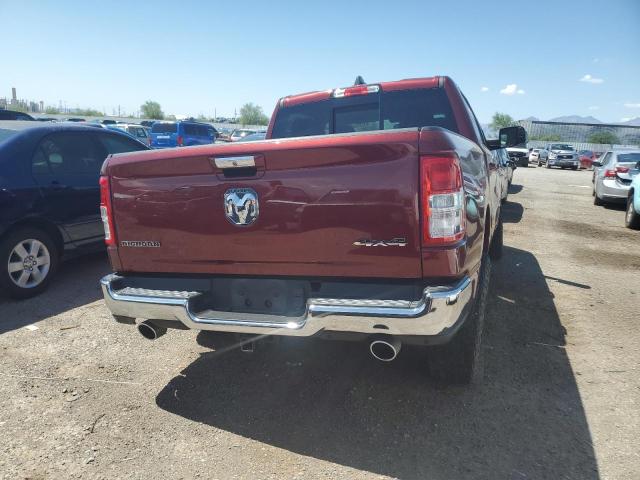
(43, 225)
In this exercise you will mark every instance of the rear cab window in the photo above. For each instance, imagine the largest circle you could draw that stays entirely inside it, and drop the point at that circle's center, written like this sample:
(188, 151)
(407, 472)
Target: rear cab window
(375, 111)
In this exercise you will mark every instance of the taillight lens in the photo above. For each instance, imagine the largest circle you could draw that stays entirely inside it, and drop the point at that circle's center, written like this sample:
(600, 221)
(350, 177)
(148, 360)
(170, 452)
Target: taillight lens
(609, 173)
(622, 169)
(179, 140)
(106, 211)
(442, 200)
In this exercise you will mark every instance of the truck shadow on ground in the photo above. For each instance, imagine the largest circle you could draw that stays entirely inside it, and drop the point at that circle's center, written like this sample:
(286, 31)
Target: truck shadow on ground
(69, 289)
(514, 189)
(512, 212)
(332, 402)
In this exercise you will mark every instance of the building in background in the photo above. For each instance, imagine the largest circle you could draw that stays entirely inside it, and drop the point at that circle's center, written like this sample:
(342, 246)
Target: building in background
(581, 133)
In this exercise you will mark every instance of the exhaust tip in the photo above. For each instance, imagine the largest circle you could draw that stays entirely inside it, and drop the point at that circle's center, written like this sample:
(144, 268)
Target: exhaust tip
(150, 331)
(385, 350)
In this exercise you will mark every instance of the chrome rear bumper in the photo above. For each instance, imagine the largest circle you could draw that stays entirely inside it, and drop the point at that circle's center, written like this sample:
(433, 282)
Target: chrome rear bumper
(440, 310)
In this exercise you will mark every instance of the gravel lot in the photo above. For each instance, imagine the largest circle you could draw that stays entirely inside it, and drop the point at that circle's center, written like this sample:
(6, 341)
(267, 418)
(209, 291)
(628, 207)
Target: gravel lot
(84, 397)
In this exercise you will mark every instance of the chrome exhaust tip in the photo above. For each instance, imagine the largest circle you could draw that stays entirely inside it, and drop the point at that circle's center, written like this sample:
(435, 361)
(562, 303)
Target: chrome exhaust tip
(151, 331)
(385, 348)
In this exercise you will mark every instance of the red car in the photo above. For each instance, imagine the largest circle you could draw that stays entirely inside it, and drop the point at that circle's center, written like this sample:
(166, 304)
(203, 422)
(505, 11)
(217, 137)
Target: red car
(587, 157)
(370, 213)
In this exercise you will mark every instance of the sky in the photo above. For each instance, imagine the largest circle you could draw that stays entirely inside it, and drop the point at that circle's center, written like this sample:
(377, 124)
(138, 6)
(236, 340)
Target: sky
(535, 58)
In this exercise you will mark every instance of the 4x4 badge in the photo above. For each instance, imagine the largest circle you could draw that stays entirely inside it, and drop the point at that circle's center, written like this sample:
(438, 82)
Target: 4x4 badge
(394, 242)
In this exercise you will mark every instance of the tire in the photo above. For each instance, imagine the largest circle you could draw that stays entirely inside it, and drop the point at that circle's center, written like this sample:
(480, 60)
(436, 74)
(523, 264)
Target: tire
(632, 217)
(547, 165)
(497, 243)
(459, 361)
(574, 168)
(596, 200)
(37, 252)
(539, 164)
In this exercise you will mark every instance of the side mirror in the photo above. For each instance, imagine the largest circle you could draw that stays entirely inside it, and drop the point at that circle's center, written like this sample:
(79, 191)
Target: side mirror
(597, 163)
(512, 136)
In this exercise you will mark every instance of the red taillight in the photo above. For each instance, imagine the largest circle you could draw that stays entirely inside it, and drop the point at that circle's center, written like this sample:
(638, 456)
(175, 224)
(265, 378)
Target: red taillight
(609, 173)
(622, 169)
(442, 195)
(106, 211)
(356, 90)
(179, 140)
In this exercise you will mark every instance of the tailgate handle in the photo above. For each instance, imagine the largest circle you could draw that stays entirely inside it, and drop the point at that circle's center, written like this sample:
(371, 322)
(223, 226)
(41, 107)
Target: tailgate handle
(235, 162)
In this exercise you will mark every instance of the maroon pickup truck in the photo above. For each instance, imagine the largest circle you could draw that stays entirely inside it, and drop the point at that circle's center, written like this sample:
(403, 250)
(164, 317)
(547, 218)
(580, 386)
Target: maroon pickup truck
(370, 213)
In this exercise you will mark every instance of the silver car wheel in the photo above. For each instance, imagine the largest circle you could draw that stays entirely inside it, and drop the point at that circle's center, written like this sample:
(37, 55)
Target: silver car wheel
(630, 211)
(29, 263)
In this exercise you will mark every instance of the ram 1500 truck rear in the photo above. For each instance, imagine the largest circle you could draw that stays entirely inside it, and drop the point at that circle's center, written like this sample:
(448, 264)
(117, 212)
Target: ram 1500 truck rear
(370, 213)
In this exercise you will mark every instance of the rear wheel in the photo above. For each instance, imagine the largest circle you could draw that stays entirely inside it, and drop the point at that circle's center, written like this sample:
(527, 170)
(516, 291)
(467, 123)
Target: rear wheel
(497, 243)
(29, 259)
(632, 217)
(459, 361)
(574, 168)
(597, 200)
(547, 165)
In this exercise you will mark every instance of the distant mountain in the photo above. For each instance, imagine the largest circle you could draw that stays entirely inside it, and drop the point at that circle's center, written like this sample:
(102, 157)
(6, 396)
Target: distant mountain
(575, 119)
(532, 119)
(634, 122)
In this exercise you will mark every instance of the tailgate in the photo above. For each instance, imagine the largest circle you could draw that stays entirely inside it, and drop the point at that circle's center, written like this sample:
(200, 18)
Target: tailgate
(315, 206)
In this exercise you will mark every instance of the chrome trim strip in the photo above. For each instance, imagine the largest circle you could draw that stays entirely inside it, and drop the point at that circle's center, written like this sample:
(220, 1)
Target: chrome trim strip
(235, 162)
(439, 309)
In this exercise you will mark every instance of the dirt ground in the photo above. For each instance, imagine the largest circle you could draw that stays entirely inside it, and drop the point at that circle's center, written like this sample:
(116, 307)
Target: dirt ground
(84, 397)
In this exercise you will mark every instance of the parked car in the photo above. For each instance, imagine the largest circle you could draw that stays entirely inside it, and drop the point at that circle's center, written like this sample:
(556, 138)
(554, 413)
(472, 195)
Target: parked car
(240, 133)
(538, 156)
(562, 155)
(46, 119)
(505, 171)
(50, 197)
(632, 216)
(586, 158)
(11, 115)
(75, 119)
(254, 137)
(147, 123)
(322, 235)
(520, 155)
(613, 175)
(181, 134)
(137, 131)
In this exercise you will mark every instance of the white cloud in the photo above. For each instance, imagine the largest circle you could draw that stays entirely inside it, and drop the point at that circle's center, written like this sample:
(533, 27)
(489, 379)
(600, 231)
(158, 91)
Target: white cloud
(512, 89)
(594, 107)
(484, 89)
(625, 119)
(632, 105)
(590, 79)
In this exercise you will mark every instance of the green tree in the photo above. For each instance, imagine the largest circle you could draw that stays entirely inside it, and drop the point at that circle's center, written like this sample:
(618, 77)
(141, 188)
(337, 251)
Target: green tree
(152, 110)
(88, 112)
(251, 114)
(603, 137)
(51, 110)
(501, 120)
